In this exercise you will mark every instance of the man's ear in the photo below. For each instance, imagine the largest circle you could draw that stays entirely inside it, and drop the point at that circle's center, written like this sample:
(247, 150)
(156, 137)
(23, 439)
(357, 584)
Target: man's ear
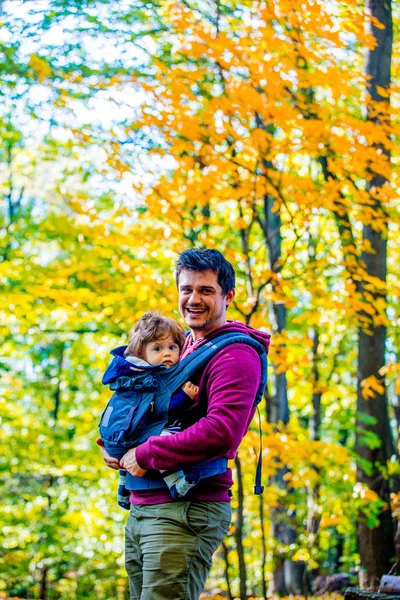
(229, 297)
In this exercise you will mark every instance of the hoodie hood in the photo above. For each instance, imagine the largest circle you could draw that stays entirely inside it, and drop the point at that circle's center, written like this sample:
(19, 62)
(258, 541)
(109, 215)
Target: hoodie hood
(261, 336)
(122, 365)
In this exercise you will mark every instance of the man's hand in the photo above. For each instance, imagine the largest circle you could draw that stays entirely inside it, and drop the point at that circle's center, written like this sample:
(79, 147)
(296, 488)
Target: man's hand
(128, 462)
(110, 461)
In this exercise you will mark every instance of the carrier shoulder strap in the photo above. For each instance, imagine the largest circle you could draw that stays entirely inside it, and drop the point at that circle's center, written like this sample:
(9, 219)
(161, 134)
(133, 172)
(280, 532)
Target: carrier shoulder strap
(176, 376)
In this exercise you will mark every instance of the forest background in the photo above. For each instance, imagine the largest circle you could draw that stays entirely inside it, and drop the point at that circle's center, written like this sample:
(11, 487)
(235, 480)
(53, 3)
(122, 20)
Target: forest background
(132, 130)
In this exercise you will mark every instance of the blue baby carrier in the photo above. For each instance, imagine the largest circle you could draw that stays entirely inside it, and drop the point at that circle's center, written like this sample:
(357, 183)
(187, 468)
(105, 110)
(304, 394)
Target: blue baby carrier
(139, 407)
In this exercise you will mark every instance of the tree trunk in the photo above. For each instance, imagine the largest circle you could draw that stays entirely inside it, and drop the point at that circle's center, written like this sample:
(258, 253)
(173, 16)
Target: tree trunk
(396, 409)
(314, 500)
(288, 575)
(273, 237)
(225, 550)
(376, 546)
(43, 583)
(239, 532)
(263, 548)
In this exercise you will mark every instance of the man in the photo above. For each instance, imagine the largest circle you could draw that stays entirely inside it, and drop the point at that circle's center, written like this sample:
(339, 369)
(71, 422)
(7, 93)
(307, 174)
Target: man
(169, 543)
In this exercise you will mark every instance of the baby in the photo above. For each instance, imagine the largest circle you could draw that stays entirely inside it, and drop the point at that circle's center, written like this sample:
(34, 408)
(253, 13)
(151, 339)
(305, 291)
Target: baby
(157, 340)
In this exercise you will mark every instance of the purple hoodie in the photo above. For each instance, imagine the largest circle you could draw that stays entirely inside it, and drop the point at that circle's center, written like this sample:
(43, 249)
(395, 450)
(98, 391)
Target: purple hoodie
(222, 411)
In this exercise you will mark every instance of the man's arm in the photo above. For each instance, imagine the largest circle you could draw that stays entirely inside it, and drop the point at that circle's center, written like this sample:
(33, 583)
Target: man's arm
(230, 381)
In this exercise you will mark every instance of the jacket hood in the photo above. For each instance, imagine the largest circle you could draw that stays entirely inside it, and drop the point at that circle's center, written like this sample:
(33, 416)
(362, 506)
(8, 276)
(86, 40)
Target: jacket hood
(122, 365)
(261, 336)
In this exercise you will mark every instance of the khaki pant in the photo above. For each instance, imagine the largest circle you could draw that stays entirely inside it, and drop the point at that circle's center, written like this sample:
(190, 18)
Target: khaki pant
(169, 548)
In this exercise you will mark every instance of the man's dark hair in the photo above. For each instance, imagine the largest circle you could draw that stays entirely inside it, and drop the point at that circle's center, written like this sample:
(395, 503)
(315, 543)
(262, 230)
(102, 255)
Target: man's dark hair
(207, 260)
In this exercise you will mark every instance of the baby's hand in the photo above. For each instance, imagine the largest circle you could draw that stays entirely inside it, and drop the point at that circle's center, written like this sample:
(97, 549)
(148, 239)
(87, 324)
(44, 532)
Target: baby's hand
(190, 389)
(110, 461)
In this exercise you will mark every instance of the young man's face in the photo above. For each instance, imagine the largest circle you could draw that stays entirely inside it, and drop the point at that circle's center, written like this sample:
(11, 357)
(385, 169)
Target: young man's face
(201, 301)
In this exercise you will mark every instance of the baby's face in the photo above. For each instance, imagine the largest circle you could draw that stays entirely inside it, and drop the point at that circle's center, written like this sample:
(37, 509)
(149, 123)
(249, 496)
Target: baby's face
(164, 351)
